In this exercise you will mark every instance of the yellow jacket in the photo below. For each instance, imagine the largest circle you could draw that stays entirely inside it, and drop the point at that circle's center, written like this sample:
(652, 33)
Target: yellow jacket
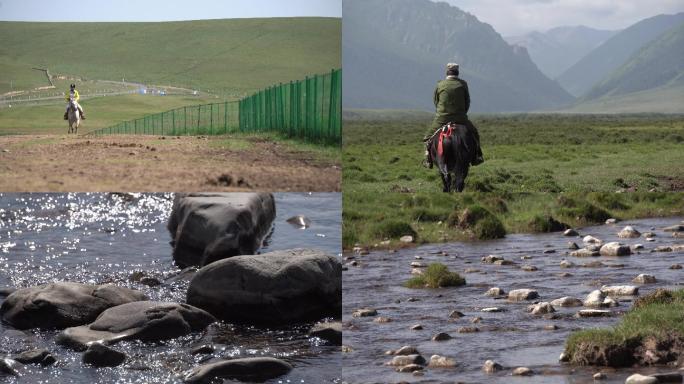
(68, 94)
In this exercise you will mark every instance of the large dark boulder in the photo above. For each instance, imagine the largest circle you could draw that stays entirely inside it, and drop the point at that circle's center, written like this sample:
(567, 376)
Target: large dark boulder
(63, 304)
(247, 369)
(206, 227)
(140, 320)
(273, 288)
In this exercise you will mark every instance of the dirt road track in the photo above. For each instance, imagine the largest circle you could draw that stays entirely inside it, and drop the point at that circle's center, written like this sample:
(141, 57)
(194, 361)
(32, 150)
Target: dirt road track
(152, 163)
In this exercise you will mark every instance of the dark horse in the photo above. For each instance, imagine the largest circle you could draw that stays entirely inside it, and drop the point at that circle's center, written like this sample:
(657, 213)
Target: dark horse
(458, 149)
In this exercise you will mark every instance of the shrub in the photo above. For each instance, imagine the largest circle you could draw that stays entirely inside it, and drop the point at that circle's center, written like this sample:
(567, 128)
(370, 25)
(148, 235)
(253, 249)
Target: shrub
(392, 229)
(489, 228)
(436, 275)
(545, 223)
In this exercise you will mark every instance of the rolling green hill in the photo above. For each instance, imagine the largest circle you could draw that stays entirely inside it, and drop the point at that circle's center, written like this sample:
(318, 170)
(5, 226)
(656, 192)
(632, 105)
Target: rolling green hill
(395, 51)
(229, 57)
(609, 56)
(659, 63)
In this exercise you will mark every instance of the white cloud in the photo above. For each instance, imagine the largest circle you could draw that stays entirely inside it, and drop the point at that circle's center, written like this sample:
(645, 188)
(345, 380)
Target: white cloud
(514, 17)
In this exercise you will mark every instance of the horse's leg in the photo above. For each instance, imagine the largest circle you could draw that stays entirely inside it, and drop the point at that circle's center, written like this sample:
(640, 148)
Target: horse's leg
(445, 182)
(460, 178)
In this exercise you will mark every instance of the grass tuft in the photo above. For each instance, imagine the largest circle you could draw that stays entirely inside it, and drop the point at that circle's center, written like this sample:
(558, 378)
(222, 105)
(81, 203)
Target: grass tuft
(436, 275)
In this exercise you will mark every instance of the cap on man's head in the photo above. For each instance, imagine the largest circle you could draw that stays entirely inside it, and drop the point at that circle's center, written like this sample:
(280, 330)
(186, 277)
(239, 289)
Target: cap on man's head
(452, 67)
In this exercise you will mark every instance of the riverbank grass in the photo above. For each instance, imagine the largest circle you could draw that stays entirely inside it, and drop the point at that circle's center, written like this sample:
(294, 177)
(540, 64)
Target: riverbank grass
(658, 316)
(436, 275)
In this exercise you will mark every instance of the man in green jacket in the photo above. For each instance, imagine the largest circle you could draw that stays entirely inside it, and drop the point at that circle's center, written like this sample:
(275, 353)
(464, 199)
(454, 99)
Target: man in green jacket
(452, 101)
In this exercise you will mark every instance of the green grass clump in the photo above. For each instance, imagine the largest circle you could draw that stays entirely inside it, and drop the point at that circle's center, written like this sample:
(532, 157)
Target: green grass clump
(436, 275)
(585, 212)
(658, 315)
(393, 229)
(546, 223)
(484, 224)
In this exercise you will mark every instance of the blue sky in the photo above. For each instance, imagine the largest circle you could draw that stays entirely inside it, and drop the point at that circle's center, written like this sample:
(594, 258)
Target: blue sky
(162, 10)
(513, 17)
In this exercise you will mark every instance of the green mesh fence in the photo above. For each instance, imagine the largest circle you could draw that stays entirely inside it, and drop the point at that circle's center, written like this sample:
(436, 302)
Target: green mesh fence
(308, 109)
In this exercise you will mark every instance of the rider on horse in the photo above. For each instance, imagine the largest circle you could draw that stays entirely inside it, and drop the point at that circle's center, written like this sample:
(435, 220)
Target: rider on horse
(73, 93)
(452, 101)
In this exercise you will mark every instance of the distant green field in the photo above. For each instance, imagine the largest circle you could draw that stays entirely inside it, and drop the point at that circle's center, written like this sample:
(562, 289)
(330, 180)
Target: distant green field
(228, 58)
(523, 153)
(100, 112)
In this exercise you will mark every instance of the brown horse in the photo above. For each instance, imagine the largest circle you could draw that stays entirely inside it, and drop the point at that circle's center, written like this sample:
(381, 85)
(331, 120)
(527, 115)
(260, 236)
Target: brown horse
(453, 160)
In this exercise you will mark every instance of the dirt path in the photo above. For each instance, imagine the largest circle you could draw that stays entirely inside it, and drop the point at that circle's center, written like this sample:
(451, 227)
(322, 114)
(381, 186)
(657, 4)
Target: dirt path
(152, 163)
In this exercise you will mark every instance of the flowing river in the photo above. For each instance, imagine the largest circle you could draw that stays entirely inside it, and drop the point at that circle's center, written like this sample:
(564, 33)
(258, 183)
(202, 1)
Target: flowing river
(512, 338)
(104, 238)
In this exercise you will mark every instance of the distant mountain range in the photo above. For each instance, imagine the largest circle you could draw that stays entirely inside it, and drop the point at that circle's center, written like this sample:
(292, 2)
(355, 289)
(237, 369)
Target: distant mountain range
(614, 52)
(557, 49)
(395, 51)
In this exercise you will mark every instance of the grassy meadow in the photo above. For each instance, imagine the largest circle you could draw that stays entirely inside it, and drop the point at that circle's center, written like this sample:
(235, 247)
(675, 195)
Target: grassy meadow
(539, 170)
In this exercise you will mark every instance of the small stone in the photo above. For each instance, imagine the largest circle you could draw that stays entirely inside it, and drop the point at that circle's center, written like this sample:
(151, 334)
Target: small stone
(347, 349)
(593, 313)
(638, 246)
(611, 221)
(550, 327)
(382, 320)
(629, 232)
(584, 252)
(417, 327)
(529, 268)
(10, 367)
(476, 320)
(491, 259)
(410, 368)
(36, 356)
(493, 309)
(468, 330)
(504, 262)
(567, 301)
(442, 336)
(202, 350)
(620, 290)
(150, 281)
(588, 239)
(547, 251)
(674, 228)
(650, 234)
(491, 366)
(570, 232)
(402, 360)
(566, 264)
(541, 308)
(525, 257)
(645, 279)
(437, 361)
(522, 294)
(600, 376)
(641, 379)
(564, 358)
(405, 351)
(522, 371)
(615, 249)
(364, 312)
(406, 239)
(662, 248)
(494, 292)
(676, 266)
(572, 245)
(672, 377)
(456, 315)
(417, 264)
(100, 355)
(598, 298)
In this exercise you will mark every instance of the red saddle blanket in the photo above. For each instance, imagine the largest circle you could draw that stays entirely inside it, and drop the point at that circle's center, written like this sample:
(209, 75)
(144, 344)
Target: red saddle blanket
(445, 131)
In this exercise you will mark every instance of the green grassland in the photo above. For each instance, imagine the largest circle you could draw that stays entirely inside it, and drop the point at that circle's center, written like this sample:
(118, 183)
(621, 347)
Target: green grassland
(225, 57)
(100, 112)
(523, 153)
(539, 169)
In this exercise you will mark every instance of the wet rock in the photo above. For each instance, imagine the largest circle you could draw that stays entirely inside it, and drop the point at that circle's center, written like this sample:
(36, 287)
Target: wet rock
(272, 288)
(674, 228)
(638, 246)
(593, 247)
(522, 371)
(328, 331)
(641, 379)
(564, 274)
(615, 249)
(600, 376)
(476, 320)
(541, 308)
(588, 239)
(675, 266)
(402, 360)
(570, 232)
(598, 299)
(572, 245)
(406, 239)
(442, 336)
(10, 367)
(100, 355)
(140, 320)
(564, 357)
(650, 234)
(382, 319)
(567, 301)
(4, 292)
(566, 264)
(206, 227)
(406, 350)
(522, 294)
(410, 368)
(204, 349)
(417, 327)
(504, 262)
(364, 312)
(455, 315)
(611, 221)
(468, 330)
(63, 304)
(551, 327)
(491, 259)
(584, 253)
(347, 349)
(629, 232)
(672, 377)
(594, 313)
(491, 366)
(620, 290)
(299, 221)
(529, 268)
(663, 248)
(493, 309)
(548, 251)
(645, 279)
(36, 356)
(246, 369)
(495, 292)
(593, 264)
(417, 264)
(437, 361)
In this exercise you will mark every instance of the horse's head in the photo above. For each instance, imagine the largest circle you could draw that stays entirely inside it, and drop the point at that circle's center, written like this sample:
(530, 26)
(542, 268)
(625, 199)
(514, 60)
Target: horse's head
(72, 103)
